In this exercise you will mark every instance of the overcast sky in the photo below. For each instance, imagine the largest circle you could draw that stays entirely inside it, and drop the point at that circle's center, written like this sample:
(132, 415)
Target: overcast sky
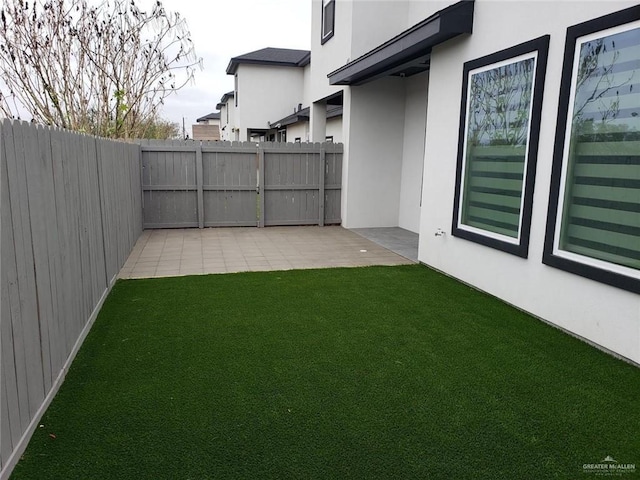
(224, 29)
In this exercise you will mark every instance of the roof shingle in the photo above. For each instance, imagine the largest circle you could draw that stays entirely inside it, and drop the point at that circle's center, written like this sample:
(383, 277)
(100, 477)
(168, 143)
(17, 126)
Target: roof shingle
(284, 57)
(211, 116)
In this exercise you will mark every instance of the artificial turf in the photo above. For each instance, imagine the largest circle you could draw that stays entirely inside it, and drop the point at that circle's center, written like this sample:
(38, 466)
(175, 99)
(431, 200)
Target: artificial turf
(378, 372)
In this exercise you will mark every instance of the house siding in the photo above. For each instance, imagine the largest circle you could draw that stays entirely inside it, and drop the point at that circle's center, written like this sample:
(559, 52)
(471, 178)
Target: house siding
(604, 315)
(415, 113)
(391, 145)
(374, 145)
(334, 128)
(334, 53)
(227, 132)
(298, 130)
(266, 93)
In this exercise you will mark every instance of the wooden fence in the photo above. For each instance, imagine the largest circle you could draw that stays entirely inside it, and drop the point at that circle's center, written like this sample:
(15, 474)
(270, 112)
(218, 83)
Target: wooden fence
(71, 214)
(213, 184)
(72, 209)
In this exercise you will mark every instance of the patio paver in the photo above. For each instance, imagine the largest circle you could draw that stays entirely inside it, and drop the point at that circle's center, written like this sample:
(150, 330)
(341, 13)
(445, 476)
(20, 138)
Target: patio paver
(175, 252)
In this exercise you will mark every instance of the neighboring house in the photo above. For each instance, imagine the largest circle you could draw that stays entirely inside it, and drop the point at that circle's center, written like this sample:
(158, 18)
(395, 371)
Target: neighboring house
(228, 131)
(207, 128)
(269, 83)
(210, 119)
(295, 127)
(457, 90)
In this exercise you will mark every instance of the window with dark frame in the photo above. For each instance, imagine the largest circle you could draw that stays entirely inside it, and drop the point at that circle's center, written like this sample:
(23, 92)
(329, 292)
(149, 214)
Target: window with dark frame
(498, 145)
(235, 93)
(328, 20)
(593, 223)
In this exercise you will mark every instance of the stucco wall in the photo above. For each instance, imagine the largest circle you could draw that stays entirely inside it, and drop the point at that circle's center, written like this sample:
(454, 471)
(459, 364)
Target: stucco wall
(226, 132)
(368, 13)
(373, 153)
(266, 93)
(300, 129)
(334, 128)
(223, 123)
(415, 116)
(602, 314)
(419, 10)
(334, 53)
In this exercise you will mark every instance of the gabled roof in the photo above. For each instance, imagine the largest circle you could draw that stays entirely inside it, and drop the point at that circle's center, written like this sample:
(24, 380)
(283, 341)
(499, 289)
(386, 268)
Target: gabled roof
(224, 99)
(211, 116)
(303, 116)
(284, 57)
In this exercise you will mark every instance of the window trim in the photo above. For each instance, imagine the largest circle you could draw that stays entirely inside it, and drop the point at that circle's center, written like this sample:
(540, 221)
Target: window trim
(537, 48)
(594, 269)
(235, 93)
(325, 4)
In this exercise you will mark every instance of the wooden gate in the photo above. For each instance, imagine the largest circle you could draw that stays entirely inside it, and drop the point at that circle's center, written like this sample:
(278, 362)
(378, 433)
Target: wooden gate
(214, 184)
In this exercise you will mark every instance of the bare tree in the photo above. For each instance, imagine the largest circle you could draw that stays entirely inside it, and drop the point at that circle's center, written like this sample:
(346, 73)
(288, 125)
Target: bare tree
(104, 69)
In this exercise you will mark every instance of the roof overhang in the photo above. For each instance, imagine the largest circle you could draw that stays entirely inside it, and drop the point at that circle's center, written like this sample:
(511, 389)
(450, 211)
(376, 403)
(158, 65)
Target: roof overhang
(224, 99)
(409, 52)
(301, 115)
(232, 68)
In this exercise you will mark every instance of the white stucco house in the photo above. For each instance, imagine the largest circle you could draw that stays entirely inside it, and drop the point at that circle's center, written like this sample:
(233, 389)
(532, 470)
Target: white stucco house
(207, 127)
(268, 84)
(295, 127)
(227, 109)
(511, 145)
(212, 118)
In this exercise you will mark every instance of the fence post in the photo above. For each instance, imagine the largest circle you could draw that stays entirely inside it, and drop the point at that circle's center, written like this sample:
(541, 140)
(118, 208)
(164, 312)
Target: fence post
(199, 182)
(261, 185)
(323, 169)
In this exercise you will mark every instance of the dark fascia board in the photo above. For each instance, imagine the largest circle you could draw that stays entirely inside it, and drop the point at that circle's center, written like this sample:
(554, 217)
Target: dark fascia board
(224, 99)
(232, 68)
(334, 111)
(411, 44)
(303, 115)
(299, 116)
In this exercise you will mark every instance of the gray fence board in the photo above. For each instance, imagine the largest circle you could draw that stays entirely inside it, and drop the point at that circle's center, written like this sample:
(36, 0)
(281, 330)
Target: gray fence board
(38, 213)
(6, 446)
(66, 300)
(13, 421)
(71, 213)
(240, 184)
(25, 325)
(229, 188)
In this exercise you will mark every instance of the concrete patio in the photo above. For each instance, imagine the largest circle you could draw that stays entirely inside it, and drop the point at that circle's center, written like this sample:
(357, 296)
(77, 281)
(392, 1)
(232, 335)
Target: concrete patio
(175, 252)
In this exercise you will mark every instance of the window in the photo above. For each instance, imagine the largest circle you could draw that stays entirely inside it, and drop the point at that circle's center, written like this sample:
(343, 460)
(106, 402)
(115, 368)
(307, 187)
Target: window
(298, 140)
(328, 20)
(593, 225)
(282, 135)
(498, 144)
(235, 87)
(328, 138)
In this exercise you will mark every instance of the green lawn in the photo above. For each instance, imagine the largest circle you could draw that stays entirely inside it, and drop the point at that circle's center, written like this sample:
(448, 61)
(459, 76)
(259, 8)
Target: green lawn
(379, 372)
